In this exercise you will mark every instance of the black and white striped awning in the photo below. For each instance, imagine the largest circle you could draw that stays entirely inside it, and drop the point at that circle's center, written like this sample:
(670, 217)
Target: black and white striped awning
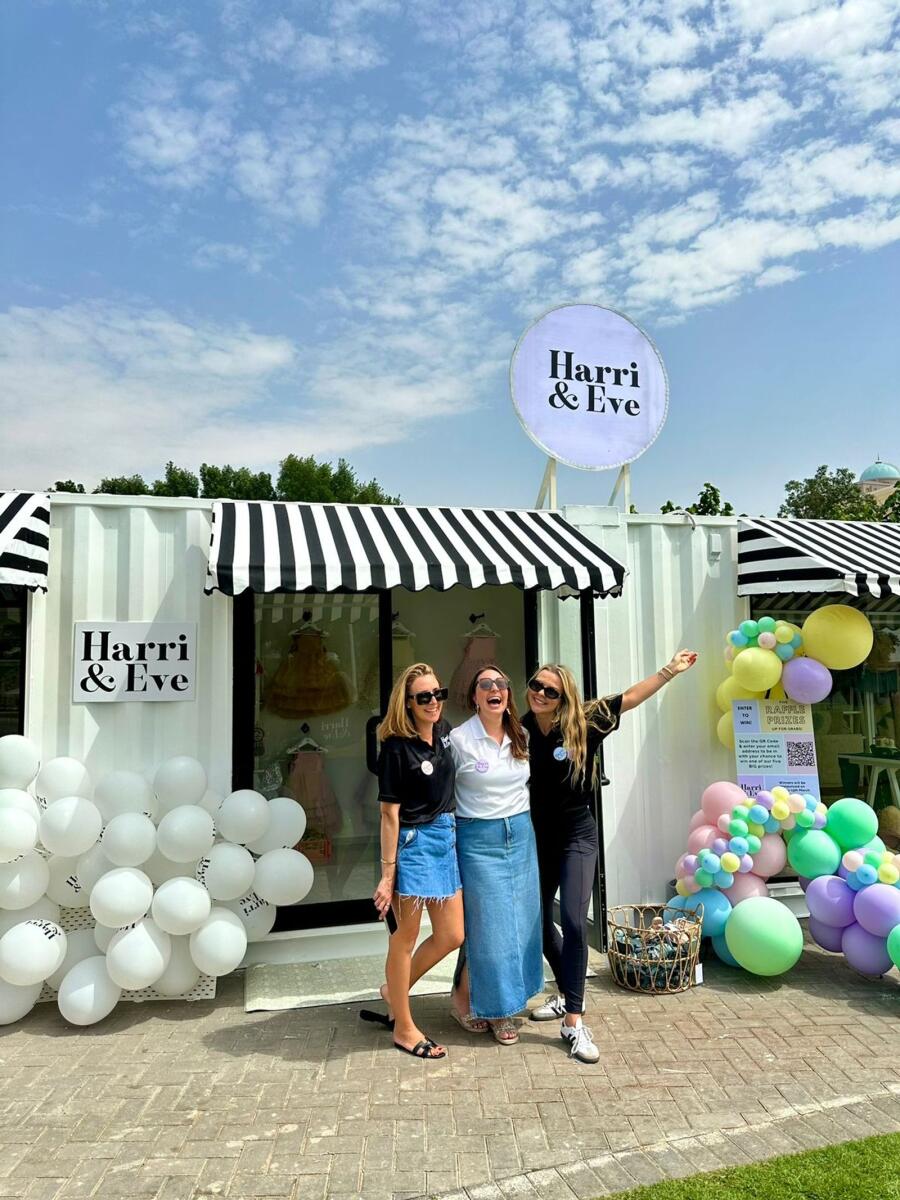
(24, 539)
(855, 557)
(273, 547)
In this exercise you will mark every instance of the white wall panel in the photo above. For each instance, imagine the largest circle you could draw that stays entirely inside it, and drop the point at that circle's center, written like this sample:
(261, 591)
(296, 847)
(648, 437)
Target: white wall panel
(129, 560)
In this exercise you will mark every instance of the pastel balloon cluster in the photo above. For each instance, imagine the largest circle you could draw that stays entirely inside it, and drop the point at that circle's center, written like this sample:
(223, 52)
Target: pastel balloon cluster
(176, 879)
(774, 658)
(862, 869)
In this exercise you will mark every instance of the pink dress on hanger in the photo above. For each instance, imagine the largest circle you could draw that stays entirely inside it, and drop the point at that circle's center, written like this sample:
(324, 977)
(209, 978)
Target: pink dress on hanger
(480, 650)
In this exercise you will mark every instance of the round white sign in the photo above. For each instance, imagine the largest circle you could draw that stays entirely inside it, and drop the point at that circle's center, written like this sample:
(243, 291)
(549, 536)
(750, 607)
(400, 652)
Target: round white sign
(589, 387)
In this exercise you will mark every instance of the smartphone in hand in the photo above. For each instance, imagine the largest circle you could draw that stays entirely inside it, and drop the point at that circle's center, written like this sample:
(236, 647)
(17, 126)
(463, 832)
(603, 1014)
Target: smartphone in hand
(390, 920)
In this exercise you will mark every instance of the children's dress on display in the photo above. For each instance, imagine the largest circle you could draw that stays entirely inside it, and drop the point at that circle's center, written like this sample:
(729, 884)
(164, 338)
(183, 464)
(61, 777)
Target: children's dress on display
(308, 682)
(480, 650)
(309, 785)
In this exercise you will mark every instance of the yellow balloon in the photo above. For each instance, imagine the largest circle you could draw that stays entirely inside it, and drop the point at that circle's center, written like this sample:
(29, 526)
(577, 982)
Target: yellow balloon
(729, 862)
(780, 793)
(780, 810)
(783, 633)
(757, 669)
(838, 636)
(756, 830)
(777, 693)
(729, 689)
(682, 888)
(725, 731)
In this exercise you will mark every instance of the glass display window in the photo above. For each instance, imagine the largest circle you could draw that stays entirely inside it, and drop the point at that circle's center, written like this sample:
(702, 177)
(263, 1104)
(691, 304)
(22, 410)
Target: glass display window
(13, 608)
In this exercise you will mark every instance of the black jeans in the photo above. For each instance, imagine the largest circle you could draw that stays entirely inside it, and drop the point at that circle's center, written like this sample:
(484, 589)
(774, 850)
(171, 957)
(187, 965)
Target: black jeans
(567, 859)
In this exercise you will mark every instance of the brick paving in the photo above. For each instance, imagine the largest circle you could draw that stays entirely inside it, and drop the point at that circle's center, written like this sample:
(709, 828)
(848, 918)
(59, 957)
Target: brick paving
(178, 1102)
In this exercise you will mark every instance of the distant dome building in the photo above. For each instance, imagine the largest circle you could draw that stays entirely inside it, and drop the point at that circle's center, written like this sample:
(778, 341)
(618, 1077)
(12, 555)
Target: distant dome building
(879, 480)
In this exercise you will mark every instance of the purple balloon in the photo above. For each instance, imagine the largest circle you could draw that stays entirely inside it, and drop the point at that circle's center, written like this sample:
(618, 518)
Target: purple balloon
(825, 936)
(746, 864)
(830, 900)
(719, 847)
(805, 680)
(690, 864)
(804, 882)
(877, 909)
(865, 952)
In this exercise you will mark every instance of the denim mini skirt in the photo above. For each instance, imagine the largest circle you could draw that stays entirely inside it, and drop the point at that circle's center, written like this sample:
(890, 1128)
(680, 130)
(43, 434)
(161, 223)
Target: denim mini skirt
(426, 860)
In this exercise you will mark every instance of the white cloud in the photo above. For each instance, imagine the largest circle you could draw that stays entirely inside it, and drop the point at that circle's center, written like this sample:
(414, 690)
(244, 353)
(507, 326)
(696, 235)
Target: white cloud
(819, 175)
(774, 276)
(730, 128)
(218, 254)
(831, 31)
(673, 85)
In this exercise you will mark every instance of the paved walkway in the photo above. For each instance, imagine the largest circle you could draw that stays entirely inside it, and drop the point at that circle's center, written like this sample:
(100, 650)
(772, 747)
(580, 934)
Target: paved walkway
(177, 1101)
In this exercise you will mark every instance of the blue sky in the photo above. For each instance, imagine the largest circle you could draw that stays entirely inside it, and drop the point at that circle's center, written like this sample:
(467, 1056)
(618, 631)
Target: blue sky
(236, 230)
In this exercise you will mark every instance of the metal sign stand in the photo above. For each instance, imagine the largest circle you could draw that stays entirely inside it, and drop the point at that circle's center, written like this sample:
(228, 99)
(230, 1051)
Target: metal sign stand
(623, 484)
(548, 486)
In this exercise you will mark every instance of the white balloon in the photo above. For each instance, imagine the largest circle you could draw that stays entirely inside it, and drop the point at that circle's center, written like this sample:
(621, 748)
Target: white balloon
(61, 777)
(70, 826)
(220, 943)
(179, 781)
(181, 905)
(16, 1002)
(19, 761)
(124, 792)
(160, 868)
(182, 973)
(24, 881)
(18, 833)
(103, 935)
(287, 824)
(30, 952)
(257, 916)
(86, 993)
(63, 884)
(129, 839)
(243, 816)
(283, 876)
(212, 802)
(80, 944)
(121, 897)
(137, 957)
(16, 798)
(90, 866)
(185, 833)
(43, 909)
(227, 872)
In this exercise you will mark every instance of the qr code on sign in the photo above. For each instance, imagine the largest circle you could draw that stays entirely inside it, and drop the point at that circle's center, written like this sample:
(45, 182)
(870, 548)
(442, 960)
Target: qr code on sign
(801, 754)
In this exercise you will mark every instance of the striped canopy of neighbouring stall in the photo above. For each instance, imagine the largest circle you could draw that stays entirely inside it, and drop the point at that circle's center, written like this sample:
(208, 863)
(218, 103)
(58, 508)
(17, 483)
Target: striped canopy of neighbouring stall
(24, 539)
(284, 547)
(854, 557)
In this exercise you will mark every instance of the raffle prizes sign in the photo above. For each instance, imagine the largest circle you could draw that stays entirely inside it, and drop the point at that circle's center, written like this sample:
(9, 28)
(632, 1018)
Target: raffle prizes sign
(589, 387)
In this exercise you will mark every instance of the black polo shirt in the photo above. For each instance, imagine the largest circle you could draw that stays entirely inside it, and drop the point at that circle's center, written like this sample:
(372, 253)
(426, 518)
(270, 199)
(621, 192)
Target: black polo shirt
(552, 790)
(417, 776)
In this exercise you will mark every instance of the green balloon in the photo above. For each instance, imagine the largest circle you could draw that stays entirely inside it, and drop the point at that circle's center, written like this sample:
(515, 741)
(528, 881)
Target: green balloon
(811, 852)
(764, 936)
(851, 823)
(893, 945)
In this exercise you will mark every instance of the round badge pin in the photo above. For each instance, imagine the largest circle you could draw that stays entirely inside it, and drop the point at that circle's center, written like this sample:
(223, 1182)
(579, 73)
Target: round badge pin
(560, 754)
(427, 768)
(482, 765)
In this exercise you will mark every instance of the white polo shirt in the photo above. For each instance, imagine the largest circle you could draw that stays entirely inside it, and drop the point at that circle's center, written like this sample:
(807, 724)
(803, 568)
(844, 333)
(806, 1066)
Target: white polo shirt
(490, 783)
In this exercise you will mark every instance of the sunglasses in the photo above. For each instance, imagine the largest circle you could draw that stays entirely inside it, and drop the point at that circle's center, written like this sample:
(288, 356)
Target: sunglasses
(427, 697)
(535, 685)
(487, 685)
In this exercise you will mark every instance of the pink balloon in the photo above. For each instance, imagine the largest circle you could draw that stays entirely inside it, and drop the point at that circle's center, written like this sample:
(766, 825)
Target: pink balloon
(723, 823)
(771, 856)
(720, 798)
(680, 872)
(692, 885)
(744, 887)
(702, 838)
(699, 818)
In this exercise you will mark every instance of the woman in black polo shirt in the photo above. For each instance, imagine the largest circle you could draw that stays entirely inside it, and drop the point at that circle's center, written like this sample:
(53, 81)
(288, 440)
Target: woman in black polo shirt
(418, 845)
(565, 735)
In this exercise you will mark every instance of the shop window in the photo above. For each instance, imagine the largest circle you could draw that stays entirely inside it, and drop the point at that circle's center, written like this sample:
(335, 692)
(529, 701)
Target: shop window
(12, 659)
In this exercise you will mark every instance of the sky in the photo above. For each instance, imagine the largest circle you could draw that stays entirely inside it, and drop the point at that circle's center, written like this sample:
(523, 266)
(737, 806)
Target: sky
(242, 229)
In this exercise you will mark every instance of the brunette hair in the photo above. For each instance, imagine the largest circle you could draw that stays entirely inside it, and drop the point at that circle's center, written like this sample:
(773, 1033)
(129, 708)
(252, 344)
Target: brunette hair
(512, 726)
(397, 721)
(574, 717)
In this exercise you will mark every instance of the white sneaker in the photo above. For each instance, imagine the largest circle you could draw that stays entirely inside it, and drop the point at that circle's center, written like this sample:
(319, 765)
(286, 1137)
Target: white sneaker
(582, 1041)
(552, 1010)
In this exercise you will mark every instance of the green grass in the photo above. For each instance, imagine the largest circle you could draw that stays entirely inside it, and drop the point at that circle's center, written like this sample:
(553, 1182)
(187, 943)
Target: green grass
(866, 1170)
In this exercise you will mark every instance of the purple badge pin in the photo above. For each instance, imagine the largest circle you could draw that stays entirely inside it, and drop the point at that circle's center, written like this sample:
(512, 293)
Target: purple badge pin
(482, 765)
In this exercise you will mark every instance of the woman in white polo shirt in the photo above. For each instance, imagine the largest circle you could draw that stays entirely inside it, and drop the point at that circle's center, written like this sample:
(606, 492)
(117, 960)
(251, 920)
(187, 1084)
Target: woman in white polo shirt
(503, 964)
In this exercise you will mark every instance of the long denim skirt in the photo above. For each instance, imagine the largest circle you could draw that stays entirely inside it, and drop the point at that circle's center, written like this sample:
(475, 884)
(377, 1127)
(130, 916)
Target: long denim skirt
(502, 904)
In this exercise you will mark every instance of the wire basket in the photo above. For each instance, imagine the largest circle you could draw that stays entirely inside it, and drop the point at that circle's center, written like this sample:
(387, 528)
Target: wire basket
(653, 947)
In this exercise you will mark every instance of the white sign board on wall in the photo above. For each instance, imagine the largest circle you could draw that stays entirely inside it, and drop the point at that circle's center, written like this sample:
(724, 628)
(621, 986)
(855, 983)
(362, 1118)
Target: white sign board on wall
(589, 387)
(133, 660)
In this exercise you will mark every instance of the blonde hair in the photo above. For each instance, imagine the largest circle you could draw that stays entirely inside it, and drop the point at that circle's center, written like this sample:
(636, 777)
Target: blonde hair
(397, 721)
(511, 724)
(574, 716)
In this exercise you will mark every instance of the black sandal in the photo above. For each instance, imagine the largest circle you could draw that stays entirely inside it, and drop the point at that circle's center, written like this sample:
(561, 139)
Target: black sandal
(366, 1014)
(422, 1049)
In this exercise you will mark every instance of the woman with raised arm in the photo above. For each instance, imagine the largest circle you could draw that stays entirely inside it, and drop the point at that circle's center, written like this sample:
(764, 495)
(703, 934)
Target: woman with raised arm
(565, 734)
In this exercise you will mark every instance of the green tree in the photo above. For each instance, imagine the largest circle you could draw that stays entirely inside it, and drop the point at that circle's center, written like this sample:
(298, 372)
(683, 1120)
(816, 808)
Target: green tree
(829, 496)
(305, 479)
(708, 504)
(235, 483)
(890, 510)
(177, 481)
(68, 485)
(122, 485)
